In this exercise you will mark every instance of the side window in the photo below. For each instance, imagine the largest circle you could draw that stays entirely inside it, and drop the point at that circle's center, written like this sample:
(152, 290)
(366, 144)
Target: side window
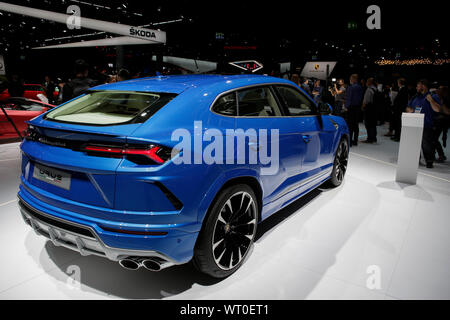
(296, 103)
(226, 105)
(258, 102)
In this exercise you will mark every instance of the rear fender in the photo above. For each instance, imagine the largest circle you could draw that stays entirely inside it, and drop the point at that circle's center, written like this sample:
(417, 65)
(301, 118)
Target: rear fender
(217, 186)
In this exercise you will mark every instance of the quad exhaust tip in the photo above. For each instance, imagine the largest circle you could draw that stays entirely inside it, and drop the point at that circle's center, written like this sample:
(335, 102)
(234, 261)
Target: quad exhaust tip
(151, 264)
(129, 264)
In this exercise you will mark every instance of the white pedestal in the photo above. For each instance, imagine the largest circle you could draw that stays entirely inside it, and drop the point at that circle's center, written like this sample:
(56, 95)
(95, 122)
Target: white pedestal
(410, 145)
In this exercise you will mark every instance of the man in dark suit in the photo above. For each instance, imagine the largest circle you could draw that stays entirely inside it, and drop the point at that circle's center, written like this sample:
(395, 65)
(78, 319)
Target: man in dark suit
(353, 103)
(399, 106)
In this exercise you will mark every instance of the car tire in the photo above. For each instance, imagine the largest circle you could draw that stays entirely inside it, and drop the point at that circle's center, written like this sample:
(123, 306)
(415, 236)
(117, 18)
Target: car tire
(228, 232)
(339, 164)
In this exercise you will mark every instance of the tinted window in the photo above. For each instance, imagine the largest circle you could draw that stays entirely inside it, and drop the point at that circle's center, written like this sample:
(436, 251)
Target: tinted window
(25, 106)
(257, 102)
(110, 107)
(226, 105)
(296, 103)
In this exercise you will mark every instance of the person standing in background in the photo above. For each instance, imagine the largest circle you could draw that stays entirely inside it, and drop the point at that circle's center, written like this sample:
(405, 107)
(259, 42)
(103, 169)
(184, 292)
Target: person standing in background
(338, 92)
(295, 79)
(370, 110)
(441, 120)
(421, 104)
(123, 75)
(399, 106)
(79, 84)
(317, 91)
(390, 110)
(353, 102)
(49, 87)
(393, 93)
(305, 86)
(363, 86)
(384, 104)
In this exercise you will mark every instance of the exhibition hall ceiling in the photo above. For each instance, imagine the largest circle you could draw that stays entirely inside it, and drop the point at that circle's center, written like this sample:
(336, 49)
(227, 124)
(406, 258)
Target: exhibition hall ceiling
(196, 26)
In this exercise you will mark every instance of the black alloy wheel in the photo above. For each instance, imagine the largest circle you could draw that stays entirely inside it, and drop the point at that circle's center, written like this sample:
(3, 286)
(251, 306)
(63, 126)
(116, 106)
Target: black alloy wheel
(340, 164)
(228, 232)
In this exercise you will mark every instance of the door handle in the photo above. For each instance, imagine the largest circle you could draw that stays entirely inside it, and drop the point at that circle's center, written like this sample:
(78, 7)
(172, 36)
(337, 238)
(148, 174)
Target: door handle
(306, 138)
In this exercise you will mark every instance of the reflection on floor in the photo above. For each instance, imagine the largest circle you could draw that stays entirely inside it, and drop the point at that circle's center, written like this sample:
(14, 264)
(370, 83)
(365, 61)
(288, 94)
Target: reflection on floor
(372, 238)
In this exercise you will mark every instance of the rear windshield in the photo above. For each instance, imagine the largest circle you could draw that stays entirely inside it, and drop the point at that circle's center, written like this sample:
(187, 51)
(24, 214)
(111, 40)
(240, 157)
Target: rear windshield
(111, 107)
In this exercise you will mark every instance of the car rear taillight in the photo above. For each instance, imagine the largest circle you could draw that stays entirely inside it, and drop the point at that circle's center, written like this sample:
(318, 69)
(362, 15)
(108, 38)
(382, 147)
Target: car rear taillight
(157, 154)
(30, 132)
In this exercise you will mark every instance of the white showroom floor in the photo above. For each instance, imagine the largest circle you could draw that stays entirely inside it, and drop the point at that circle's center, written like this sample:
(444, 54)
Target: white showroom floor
(371, 238)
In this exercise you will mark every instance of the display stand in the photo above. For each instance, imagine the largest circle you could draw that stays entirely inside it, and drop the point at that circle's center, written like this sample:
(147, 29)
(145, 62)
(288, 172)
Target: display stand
(410, 145)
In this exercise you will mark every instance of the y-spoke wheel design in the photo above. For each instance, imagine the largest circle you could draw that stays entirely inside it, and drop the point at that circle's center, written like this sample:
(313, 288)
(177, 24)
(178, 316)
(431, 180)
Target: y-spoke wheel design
(228, 232)
(234, 230)
(341, 161)
(340, 164)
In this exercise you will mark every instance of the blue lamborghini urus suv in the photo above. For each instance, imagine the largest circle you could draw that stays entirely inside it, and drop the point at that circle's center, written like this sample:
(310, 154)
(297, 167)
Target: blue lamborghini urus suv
(160, 171)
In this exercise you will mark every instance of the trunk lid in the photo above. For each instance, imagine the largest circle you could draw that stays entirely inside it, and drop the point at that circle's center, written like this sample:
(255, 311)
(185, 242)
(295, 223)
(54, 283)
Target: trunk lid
(58, 166)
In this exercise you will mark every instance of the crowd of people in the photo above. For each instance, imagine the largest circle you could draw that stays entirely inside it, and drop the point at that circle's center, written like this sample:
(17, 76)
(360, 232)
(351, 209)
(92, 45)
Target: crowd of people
(84, 77)
(374, 104)
(82, 81)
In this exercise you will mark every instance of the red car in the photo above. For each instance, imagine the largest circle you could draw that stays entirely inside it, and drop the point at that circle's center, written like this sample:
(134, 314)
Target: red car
(19, 110)
(31, 92)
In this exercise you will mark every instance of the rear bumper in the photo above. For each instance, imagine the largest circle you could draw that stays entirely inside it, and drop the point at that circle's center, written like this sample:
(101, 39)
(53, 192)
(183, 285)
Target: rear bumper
(85, 235)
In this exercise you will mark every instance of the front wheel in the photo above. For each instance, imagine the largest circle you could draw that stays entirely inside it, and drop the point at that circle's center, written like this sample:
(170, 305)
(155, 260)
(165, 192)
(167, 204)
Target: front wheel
(340, 164)
(228, 232)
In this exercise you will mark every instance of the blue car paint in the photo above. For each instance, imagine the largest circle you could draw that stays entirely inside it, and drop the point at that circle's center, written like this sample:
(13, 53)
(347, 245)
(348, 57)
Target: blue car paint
(117, 193)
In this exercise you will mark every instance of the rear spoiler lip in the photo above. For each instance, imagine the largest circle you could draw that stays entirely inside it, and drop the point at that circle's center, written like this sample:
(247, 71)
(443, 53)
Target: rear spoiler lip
(112, 130)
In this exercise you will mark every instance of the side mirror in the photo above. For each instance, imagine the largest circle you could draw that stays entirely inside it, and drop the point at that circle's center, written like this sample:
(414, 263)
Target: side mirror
(325, 108)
